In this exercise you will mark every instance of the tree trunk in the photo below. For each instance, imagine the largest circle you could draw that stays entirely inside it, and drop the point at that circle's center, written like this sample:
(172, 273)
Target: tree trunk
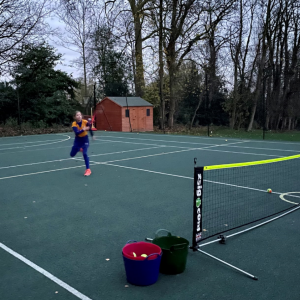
(239, 121)
(161, 68)
(290, 123)
(235, 58)
(140, 80)
(133, 68)
(195, 113)
(260, 75)
(84, 74)
(212, 68)
(278, 122)
(267, 121)
(253, 111)
(283, 125)
(172, 94)
(171, 60)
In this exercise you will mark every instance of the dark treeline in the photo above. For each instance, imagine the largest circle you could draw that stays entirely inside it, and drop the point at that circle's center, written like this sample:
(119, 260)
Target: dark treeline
(233, 63)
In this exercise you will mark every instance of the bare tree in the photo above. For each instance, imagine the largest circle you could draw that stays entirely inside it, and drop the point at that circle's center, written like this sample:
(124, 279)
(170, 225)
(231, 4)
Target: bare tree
(21, 21)
(140, 13)
(186, 26)
(277, 80)
(78, 16)
(266, 30)
(181, 18)
(240, 39)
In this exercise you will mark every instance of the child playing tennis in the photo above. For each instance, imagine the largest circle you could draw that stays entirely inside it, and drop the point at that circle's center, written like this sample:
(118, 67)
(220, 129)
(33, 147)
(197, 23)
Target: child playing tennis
(81, 142)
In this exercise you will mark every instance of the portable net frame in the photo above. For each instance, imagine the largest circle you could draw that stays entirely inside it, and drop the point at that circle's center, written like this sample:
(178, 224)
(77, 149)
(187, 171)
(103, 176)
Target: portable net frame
(235, 195)
(230, 196)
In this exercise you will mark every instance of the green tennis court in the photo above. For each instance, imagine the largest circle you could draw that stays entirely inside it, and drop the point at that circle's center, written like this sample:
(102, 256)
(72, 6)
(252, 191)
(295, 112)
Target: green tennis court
(62, 234)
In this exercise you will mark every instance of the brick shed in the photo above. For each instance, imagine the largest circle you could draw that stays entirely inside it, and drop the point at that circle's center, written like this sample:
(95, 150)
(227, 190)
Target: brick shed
(112, 114)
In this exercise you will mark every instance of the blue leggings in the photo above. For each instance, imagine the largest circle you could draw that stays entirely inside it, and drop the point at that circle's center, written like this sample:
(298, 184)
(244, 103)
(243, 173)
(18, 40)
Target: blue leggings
(76, 148)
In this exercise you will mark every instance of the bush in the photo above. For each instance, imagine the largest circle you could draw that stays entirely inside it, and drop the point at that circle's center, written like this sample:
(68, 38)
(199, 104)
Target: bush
(11, 122)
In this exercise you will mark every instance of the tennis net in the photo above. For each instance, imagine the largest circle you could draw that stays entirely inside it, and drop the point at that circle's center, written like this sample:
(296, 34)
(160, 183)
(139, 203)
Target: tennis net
(235, 195)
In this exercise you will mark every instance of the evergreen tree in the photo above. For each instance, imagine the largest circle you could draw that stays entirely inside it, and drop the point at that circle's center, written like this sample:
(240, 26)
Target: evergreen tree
(111, 66)
(44, 93)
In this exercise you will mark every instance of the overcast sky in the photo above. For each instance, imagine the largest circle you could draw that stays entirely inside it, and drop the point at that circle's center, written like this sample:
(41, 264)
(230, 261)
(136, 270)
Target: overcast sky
(68, 55)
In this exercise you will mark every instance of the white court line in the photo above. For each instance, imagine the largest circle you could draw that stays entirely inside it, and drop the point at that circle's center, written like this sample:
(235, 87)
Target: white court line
(119, 152)
(144, 156)
(143, 170)
(284, 150)
(59, 141)
(186, 177)
(246, 153)
(190, 149)
(212, 138)
(112, 141)
(42, 172)
(29, 142)
(156, 140)
(289, 194)
(55, 170)
(45, 149)
(164, 153)
(109, 163)
(204, 149)
(39, 135)
(72, 158)
(226, 145)
(45, 273)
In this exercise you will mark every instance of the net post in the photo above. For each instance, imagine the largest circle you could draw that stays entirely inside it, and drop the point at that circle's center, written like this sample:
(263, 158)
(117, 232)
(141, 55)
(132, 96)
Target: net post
(197, 205)
(222, 239)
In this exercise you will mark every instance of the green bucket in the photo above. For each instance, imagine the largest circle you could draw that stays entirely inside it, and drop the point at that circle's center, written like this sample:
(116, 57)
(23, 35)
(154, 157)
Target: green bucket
(175, 251)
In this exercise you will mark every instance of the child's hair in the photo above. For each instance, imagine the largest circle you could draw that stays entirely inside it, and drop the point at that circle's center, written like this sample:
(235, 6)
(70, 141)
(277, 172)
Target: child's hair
(76, 112)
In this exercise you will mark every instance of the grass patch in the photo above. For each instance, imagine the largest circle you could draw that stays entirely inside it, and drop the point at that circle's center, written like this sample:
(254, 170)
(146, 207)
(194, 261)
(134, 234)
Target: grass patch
(217, 131)
(11, 129)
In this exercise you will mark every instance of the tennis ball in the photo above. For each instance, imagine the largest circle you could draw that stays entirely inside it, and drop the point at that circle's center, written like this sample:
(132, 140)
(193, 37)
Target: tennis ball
(133, 254)
(144, 255)
(269, 191)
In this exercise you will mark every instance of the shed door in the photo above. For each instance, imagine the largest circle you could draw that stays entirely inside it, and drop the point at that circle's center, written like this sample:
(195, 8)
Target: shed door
(133, 119)
(142, 119)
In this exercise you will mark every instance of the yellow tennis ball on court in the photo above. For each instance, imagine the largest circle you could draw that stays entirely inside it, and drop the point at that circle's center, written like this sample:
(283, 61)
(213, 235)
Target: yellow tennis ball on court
(144, 255)
(269, 191)
(133, 254)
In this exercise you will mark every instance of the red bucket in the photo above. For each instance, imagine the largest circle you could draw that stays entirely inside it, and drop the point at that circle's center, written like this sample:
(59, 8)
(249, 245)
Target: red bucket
(140, 248)
(141, 270)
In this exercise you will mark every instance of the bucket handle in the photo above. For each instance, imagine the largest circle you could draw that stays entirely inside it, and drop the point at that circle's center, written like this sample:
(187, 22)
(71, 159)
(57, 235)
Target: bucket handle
(178, 247)
(156, 233)
(131, 241)
(151, 255)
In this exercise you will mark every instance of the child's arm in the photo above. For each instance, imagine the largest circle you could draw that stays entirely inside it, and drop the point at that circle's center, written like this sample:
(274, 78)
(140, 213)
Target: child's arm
(89, 124)
(77, 131)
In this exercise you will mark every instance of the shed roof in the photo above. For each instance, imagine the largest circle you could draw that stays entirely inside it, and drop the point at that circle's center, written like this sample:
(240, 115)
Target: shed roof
(132, 101)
